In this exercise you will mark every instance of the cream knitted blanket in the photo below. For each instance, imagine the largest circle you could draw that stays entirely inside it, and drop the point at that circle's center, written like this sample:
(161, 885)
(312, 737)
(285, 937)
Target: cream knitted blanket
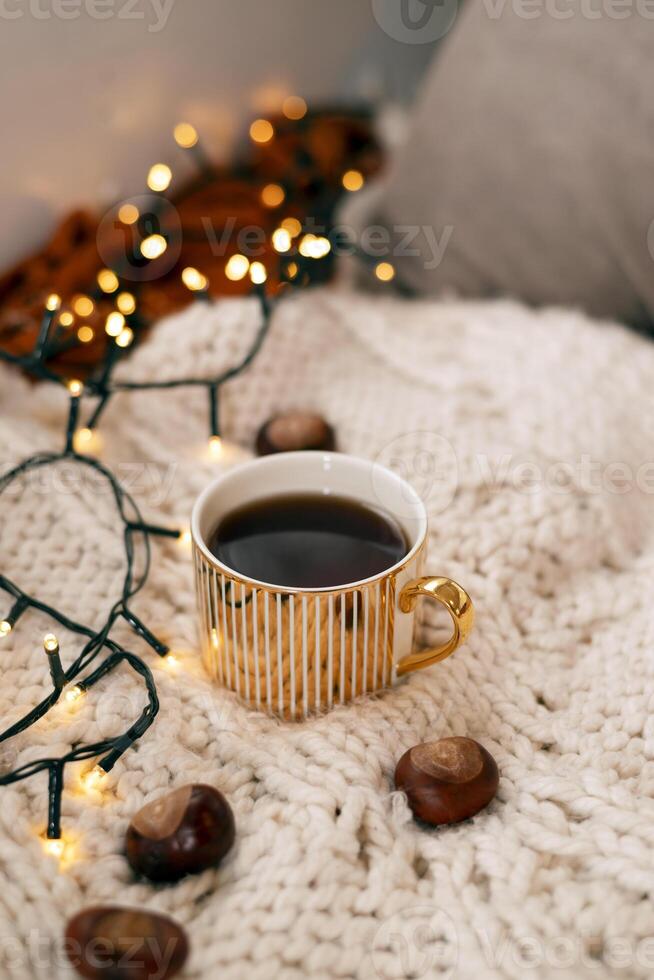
(529, 435)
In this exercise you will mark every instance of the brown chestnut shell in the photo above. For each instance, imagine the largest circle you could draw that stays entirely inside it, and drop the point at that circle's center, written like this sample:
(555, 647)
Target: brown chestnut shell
(295, 431)
(118, 943)
(448, 780)
(182, 833)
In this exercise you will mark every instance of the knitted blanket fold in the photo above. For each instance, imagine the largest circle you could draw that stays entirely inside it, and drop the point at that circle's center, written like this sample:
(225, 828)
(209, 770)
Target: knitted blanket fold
(528, 434)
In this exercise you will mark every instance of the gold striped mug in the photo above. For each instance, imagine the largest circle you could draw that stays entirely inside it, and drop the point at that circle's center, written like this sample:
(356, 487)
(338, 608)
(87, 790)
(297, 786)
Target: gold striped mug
(292, 652)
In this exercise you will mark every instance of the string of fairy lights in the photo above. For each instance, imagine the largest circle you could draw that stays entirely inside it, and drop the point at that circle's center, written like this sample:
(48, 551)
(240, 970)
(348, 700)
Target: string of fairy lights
(100, 655)
(74, 681)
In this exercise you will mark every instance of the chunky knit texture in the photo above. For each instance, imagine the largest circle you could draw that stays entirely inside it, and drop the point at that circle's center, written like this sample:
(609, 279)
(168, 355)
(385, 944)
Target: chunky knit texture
(511, 423)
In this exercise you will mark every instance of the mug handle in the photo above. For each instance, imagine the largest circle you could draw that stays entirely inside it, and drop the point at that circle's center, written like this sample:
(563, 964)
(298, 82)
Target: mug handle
(459, 605)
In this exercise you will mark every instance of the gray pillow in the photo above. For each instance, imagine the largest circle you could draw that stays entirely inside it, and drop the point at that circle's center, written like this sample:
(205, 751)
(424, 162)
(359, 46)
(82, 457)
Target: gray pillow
(529, 164)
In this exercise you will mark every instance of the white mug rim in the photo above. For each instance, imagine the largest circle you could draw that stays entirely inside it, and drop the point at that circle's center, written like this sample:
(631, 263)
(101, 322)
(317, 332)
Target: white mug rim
(277, 459)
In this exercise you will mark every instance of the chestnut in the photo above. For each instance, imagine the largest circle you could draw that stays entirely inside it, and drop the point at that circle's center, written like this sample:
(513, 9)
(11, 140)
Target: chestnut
(447, 780)
(293, 431)
(116, 943)
(182, 833)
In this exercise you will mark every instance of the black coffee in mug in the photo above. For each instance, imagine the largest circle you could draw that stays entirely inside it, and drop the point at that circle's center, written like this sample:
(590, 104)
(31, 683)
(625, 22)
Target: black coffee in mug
(308, 541)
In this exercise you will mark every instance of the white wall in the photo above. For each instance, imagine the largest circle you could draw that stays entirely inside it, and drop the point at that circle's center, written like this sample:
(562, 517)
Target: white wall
(87, 105)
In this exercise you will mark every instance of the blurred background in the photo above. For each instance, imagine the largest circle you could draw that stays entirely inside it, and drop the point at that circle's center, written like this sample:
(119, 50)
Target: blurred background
(481, 150)
(88, 103)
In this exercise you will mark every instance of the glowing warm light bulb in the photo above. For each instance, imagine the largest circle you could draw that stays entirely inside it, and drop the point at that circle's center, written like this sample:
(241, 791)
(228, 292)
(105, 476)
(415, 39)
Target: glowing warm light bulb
(54, 846)
(384, 271)
(194, 280)
(261, 131)
(107, 281)
(294, 107)
(85, 334)
(87, 440)
(353, 180)
(93, 778)
(129, 214)
(50, 643)
(292, 270)
(314, 246)
(74, 694)
(215, 447)
(5, 628)
(114, 324)
(66, 319)
(171, 661)
(60, 849)
(83, 305)
(185, 135)
(84, 435)
(125, 337)
(75, 387)
(281, 240)
(323, 247)
(292, 226)
(53, 302)
(185, 539)
(153, 246)
(272, 195)
(159, 177)
(258, 273)
(126, 303)
(306, 245)
(237, 267)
